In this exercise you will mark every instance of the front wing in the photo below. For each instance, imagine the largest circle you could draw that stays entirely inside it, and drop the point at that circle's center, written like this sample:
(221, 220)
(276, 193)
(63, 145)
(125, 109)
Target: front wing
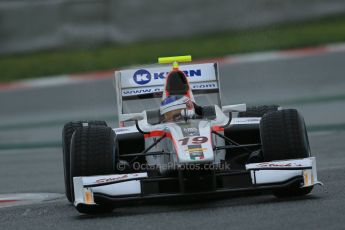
(124, 188)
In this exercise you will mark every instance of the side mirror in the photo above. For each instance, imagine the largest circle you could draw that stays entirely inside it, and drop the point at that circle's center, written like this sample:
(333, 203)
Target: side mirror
(132, 117)
(234, 108)
(135, 117)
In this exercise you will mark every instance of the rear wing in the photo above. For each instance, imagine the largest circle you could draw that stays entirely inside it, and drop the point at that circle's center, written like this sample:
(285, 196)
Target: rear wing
(138, 83)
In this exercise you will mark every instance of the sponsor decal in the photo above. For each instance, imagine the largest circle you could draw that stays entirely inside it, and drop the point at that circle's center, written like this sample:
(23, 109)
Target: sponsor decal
(128, 129)
(143, 76)
(140, 91)
(121, 130)
(190, 131)
(271, 164)
(195, 151)
(250, 120)
(205, 86)
(246, 120)
(158, 89)
(193, 73)
(112, 179)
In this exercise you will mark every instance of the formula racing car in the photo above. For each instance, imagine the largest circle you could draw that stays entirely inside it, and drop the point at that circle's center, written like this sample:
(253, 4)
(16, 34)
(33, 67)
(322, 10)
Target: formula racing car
(177, 140)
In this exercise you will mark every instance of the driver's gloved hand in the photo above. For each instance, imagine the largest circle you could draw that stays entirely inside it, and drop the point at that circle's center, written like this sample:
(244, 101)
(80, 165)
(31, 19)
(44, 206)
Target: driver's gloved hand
(190, 114)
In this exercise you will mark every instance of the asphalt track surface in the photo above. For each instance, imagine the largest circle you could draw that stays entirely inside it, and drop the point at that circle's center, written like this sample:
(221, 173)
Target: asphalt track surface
(315, 85)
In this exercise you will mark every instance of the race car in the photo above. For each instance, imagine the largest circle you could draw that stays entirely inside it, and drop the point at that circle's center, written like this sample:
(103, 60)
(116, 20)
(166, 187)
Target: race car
(177, 140)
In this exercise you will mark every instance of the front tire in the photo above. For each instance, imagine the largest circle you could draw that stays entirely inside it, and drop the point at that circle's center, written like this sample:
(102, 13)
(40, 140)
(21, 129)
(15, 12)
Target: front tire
(67, 133)
(93, 152)
(284, 136)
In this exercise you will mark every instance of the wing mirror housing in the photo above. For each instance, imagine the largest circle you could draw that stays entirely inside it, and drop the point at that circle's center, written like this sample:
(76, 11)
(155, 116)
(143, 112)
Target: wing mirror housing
(234, 108)
(133, 117)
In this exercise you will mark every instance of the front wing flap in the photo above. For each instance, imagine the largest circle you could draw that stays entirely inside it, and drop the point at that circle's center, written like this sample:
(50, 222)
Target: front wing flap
(279, 171)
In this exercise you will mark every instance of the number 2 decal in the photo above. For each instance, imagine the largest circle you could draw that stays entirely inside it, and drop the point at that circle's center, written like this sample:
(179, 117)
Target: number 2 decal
(194, 140)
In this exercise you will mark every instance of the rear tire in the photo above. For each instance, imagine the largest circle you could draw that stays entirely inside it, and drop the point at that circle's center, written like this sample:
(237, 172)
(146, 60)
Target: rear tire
(67, 133)
(258, 111)
(284, 136)
(93, 152)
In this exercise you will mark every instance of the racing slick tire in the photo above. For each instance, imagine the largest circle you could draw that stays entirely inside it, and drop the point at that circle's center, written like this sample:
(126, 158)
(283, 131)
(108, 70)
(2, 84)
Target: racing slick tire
(93, 152)
(258, 111)
(284, 136)
(67, 133)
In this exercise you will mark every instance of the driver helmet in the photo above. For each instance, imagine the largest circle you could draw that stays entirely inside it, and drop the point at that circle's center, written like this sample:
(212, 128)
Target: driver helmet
(175, 106)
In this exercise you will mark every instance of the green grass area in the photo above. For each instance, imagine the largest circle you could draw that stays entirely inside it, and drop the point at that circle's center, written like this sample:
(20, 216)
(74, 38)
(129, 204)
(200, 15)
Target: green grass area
(325, 30)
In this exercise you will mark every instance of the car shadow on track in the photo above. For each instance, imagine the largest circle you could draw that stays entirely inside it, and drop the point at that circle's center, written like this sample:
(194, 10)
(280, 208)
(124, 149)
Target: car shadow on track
(197, 204)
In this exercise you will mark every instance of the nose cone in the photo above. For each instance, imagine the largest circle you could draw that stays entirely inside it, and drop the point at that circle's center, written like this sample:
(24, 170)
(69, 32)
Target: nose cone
(192, 142)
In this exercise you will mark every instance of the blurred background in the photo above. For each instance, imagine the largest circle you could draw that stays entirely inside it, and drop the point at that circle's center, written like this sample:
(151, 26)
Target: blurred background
(48, 37)
(38, 25)
(57, 59)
